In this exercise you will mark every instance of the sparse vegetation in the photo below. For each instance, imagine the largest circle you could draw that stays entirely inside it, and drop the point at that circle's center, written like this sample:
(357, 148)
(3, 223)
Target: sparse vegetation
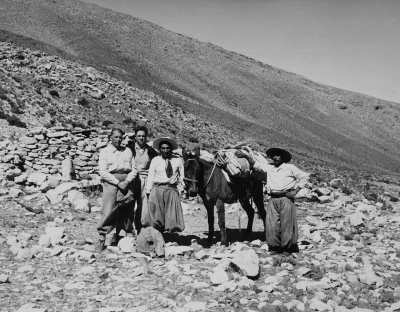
(12, 120)
(83, 101)
(106, 123)
(54, 93)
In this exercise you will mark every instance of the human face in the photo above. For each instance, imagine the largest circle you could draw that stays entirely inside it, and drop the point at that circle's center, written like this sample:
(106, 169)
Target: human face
(141, 138)
(277, 159)
(165, 150)
(116, 139)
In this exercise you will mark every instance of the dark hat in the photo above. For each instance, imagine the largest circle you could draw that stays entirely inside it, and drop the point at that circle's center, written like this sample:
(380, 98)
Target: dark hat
(281, 152)
(156, 143)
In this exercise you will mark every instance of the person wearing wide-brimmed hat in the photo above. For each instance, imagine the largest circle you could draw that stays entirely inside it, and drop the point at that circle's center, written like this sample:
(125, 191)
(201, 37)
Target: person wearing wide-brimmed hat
(284, 181)
(165, 173)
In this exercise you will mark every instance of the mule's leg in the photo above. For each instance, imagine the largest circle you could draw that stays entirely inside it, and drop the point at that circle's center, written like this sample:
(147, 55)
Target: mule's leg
(258, 197)
(210, 215)
(221, 221)
(250, 215)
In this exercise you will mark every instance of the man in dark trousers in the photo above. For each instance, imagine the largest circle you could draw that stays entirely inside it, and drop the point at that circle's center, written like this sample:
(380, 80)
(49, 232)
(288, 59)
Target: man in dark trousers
(143, 154)
(284, 181)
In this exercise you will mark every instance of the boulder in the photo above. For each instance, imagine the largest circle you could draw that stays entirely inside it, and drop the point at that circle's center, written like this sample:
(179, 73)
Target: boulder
(177, 250)
(53, 197)
(82, 205)
(67, 168)
(64, 188)
(219, 277)
(37, 178)
(14, 192)
(127, 244)
(246, 261)
(74, 196)
(58, 134)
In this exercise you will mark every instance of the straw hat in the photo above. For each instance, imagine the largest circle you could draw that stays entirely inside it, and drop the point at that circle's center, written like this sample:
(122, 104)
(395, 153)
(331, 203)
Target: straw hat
(156, 143)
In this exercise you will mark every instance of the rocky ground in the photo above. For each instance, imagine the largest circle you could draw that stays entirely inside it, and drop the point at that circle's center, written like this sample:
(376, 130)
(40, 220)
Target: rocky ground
(348, 261)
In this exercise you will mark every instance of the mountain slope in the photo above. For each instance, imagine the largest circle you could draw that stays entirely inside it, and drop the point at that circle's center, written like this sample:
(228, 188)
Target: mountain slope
(250, 98)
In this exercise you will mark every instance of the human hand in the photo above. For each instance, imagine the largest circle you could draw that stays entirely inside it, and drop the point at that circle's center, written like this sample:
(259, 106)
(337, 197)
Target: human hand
(291, 194)
(123, 185)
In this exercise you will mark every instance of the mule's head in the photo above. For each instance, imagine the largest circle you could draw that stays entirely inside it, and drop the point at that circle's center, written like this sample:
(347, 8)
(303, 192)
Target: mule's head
(192, 168)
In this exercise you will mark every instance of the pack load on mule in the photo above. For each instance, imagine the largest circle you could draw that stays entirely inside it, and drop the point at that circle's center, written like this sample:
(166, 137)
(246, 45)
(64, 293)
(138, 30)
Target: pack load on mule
(236, 167)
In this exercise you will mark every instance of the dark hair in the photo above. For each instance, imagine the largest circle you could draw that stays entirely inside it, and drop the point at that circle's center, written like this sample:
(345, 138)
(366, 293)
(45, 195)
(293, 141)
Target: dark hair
(116, 130)
(142, 128)
(165, 142)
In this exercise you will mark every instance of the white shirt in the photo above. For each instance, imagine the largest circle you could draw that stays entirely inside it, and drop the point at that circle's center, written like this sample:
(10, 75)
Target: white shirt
(158, 174)
(113, 160)
(284, 178)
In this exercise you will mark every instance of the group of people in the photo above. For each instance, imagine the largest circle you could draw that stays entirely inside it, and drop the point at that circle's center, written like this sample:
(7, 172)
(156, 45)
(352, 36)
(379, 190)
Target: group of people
(135, 175)
(148, 178)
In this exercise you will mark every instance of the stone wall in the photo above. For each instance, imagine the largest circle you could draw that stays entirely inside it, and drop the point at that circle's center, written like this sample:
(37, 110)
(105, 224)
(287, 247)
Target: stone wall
(67, 153)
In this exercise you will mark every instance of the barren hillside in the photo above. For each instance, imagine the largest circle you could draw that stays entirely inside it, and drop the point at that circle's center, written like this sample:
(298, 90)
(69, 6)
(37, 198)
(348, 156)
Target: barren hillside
(317, 122)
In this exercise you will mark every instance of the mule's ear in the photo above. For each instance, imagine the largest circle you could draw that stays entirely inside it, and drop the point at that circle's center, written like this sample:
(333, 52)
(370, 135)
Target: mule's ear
(197, 152)
(184, 154)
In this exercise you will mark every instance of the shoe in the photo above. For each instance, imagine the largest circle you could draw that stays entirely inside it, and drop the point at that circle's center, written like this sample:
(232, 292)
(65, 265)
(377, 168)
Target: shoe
(101, 245)
(114, 240)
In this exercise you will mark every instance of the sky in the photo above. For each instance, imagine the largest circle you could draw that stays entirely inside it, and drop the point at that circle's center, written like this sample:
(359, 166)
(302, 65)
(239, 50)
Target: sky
(349, 44)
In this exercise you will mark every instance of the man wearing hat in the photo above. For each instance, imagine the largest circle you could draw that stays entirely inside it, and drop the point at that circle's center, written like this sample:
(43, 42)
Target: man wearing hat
(165, 173)
(284, 181)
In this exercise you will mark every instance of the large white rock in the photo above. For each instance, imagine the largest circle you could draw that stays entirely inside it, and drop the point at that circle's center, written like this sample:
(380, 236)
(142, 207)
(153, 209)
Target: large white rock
(219, 277)
(247, 262)
(177, 250)
(318, 305)
(54, 232)
(53, 197)
(37, 178)
(65, 188)
(127, 244)
(67, 168)
(356, 218)
(82, 205)
(74, 196)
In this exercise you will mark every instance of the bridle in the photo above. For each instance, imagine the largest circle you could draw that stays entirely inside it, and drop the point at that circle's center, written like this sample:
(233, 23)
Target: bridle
(196, 181)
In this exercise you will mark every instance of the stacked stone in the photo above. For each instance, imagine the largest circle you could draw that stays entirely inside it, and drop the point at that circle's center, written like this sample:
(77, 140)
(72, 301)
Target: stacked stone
(49, 150)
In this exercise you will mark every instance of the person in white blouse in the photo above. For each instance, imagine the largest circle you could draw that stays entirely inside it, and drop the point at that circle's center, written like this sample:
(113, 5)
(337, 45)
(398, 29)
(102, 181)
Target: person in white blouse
(283, 182)
(165, 173)
(117, 169)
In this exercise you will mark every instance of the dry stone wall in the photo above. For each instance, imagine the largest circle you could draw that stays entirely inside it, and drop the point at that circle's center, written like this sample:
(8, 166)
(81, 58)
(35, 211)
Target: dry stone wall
(59, 152)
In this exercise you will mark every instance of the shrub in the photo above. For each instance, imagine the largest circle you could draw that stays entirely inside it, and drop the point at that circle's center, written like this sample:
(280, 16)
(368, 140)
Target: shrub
(106, 123)
(193, 140)
(83, 101)
(51, 111)
(13, 120)
(54, 93)
(129, 121)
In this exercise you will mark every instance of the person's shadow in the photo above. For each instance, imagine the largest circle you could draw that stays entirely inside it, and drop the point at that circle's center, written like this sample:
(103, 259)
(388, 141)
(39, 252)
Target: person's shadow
(234, 235)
